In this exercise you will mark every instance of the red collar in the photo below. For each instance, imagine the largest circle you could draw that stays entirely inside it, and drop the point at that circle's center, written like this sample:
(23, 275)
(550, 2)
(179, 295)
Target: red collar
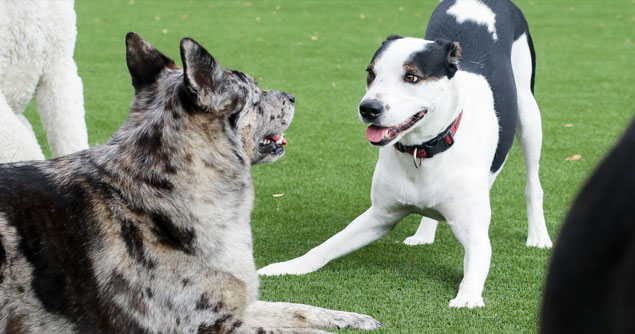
(438, 144)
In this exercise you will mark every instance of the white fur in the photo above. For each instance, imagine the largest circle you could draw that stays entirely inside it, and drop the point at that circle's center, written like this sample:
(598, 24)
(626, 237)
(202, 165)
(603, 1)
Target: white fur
(453, 185)
(37, 39)
(475, 11)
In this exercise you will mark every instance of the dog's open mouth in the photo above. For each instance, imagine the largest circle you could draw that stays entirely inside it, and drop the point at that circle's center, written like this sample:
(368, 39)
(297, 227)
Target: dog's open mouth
(380, 136)
(272, 144)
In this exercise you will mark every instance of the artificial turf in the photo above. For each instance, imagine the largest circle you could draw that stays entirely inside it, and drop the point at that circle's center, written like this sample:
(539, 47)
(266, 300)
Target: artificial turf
(318, 51)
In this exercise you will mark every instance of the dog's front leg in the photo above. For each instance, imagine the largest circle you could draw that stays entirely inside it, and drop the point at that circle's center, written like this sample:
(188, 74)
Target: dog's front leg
(289, 315)
(425, 233)
(470, 223)
(368, 227)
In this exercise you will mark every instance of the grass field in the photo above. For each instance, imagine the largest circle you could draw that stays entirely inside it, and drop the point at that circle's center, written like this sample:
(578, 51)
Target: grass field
(318, 50)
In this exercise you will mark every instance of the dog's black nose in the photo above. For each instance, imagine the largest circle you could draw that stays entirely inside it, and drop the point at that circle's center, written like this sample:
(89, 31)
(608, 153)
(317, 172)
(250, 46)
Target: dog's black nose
(371, 109)
(289, 96)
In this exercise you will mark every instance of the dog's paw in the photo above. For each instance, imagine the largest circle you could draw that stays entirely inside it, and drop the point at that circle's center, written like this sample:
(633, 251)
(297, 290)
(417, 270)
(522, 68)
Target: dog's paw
(540, 242)
(465, 301)
(292, 267)
(415, 240)
(343, 319)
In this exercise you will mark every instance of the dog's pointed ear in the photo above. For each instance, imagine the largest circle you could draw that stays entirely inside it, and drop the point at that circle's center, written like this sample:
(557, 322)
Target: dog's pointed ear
(453, 55)
(145, 62)
(202, 74)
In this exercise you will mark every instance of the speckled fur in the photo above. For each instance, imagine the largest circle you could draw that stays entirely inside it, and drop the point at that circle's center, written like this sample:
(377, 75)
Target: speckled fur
(150, 232)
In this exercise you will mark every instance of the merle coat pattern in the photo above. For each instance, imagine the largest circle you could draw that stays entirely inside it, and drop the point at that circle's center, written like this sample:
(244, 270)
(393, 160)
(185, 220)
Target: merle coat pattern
(150, 232)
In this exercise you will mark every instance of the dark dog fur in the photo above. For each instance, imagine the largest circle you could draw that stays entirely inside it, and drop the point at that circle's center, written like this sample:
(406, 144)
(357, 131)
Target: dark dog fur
(150, 232)
(590, 286)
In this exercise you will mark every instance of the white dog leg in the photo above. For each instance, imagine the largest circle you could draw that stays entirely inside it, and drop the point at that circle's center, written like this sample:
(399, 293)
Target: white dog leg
(470, 224)
(425, 233)
(17, 141)
(529, 135)
(368, 227)
(60, 103)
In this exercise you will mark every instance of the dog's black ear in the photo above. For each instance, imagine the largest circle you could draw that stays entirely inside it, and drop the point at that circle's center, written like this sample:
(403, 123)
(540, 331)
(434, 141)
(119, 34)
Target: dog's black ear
(203, 75)
(393, 37)
(453, 55)
(145, 63)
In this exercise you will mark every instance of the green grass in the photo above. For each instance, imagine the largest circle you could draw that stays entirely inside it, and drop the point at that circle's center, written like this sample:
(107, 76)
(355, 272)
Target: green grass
(318, 51)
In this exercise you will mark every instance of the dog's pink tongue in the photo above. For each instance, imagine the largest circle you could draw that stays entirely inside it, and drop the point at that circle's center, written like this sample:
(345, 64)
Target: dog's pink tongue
(375, 134)
(276, 137)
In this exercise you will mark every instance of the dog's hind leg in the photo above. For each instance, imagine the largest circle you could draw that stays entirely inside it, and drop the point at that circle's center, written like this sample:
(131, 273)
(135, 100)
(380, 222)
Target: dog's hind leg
(425, 233)
(368, 227)
(60, 103)
(529, 135)
(296, 316)
(17, 140)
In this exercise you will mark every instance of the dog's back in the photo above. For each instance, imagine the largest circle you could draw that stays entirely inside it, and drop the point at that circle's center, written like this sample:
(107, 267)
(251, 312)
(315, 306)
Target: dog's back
(486, 30)
(47, 232)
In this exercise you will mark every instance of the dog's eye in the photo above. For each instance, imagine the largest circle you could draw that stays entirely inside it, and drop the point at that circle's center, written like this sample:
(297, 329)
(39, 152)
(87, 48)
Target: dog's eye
(411, 78)
(370, 77)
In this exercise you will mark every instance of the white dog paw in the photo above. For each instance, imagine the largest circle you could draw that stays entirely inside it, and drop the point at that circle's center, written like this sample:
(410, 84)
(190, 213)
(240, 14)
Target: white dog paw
(541, 242)
(469, 302)
(415, 240)
(285, 268)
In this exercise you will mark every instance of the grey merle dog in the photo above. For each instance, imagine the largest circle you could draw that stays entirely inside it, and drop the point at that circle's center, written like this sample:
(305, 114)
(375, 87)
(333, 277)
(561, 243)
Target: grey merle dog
(150, 232)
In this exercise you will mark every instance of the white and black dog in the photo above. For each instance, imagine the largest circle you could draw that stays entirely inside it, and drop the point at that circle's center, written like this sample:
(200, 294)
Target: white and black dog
(444, 111)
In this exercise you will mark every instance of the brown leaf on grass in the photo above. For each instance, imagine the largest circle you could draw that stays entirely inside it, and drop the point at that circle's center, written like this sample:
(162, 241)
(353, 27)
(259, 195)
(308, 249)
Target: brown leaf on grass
(574, 157)
(277, 195)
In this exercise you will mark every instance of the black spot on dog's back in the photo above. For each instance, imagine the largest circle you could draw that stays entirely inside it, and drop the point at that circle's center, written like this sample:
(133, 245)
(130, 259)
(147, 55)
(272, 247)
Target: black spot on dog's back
(240, 75)
(203, 302)
(3, 253)
(3, 259)
(133, 239)
(171, 235)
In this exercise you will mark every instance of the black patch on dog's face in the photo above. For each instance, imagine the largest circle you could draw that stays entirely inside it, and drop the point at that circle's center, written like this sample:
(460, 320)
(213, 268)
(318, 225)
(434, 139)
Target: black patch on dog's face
(437, 60)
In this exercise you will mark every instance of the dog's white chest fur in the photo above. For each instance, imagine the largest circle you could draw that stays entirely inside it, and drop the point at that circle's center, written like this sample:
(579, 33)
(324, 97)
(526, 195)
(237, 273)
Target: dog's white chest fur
(399, 182)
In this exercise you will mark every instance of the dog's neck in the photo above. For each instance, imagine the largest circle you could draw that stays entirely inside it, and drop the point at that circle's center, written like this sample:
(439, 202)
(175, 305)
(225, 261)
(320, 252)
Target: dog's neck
(163, 152)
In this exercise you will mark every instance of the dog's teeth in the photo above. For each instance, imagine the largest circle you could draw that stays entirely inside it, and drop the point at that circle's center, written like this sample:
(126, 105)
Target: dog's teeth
(387, 133)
